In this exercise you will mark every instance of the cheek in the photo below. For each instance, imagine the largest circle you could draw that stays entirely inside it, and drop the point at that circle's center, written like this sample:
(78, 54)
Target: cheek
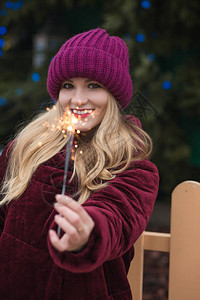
(63, 99)
(101, 101)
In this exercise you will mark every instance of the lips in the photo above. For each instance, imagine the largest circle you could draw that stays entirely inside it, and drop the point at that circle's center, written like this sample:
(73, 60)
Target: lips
(82, 113)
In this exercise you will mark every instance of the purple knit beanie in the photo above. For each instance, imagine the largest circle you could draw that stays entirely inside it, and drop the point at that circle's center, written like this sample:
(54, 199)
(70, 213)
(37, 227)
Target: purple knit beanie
(97, 56)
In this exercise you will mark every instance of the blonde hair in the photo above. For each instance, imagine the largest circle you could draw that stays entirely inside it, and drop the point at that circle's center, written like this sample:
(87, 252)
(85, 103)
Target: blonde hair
(116, 142)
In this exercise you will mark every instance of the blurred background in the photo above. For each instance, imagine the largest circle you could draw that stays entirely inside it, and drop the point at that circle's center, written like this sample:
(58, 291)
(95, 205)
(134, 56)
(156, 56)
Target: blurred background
(164, 45)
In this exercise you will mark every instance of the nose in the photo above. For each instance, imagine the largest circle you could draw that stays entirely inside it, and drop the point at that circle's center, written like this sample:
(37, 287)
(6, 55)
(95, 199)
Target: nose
(79, 98)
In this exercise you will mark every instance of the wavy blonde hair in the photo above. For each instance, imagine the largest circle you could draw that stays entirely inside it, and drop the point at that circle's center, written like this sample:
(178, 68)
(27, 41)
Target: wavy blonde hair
(116, 142)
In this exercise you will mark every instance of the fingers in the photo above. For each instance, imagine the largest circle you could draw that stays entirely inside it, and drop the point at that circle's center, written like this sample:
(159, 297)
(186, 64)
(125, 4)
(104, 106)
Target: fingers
(75, 223)
(74, 206)
(56, 242)
(67, 227)
(72, 217)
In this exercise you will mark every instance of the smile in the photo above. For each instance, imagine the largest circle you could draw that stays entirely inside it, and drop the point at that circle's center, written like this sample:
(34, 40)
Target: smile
(82, 113)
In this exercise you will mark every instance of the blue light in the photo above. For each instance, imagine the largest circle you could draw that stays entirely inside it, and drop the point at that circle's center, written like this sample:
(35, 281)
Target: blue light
(16, 6)
(21, 3)
(166, 85)
(9, 4)
(2, 101)
(19, 91)
(151, 57)
(1, 53)
(146, 4)
(3, 12)
(3, 30)
(35, 77)
(140, 38)
(2, 43)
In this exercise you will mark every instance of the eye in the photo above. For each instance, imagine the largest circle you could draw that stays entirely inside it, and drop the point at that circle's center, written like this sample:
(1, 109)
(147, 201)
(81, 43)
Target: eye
(67, 86)
(94, 86)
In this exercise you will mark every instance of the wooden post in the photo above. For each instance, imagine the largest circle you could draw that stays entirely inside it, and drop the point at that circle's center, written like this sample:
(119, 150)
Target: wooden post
(184, 273)
(135, 274)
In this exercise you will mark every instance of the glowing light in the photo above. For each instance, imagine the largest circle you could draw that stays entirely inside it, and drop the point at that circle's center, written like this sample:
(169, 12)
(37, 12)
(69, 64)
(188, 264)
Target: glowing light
(151, 57)
(3, 101)
(2, 42)
(35, 77)
(146, 4)
(74, 120)
(81, 152)
(70, 128)
(3, 30)
(166, 85)
(14, 6)
(78, 131)
(48, 109)
(8, 4)
(140, 38)
(40, 144)
(76, 146)
(19, 4)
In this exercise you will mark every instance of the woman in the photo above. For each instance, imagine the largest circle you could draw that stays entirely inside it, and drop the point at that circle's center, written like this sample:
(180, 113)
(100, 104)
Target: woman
(111, 184)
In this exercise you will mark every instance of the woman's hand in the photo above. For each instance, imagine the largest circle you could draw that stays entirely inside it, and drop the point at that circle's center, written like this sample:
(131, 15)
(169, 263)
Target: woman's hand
(74, 221)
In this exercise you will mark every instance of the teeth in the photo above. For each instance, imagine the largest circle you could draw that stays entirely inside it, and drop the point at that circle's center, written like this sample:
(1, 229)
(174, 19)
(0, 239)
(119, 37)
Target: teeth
(82, 112)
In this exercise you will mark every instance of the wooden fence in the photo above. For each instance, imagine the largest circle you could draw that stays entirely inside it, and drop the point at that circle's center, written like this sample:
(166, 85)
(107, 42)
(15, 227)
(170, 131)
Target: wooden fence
(182, 243)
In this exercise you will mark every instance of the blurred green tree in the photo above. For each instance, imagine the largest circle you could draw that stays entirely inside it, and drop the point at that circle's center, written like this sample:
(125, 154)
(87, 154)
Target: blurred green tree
(163, 41)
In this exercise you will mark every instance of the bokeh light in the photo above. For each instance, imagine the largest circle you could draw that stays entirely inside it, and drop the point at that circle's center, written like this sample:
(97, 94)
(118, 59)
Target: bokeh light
(8, 4)
(2, 101)
(166, 85)
(3, 30)
(35, 77)
(146, 4)
(151, 57)
(140, 38)
(2, 42)
(14, 5)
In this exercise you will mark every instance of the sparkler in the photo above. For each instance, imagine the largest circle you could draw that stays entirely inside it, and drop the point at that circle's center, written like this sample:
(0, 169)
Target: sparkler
(67, 123)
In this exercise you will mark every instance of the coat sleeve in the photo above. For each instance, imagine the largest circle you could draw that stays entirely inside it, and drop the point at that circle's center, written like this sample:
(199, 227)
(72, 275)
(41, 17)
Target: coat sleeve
(3, 165)
(121, 212)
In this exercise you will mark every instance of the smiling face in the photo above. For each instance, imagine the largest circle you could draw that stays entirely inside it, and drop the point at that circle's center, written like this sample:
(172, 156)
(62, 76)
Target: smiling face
(86, 99)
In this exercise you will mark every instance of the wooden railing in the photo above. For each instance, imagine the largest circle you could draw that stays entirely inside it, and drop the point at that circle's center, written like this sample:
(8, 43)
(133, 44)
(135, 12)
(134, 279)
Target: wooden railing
(182, 243)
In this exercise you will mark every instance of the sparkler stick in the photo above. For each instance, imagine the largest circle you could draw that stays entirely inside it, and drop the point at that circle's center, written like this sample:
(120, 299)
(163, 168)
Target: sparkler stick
(68, 124)
(67, 158)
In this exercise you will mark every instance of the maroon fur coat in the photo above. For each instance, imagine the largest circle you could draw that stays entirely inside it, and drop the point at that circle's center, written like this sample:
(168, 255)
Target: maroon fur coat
(31, 269)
